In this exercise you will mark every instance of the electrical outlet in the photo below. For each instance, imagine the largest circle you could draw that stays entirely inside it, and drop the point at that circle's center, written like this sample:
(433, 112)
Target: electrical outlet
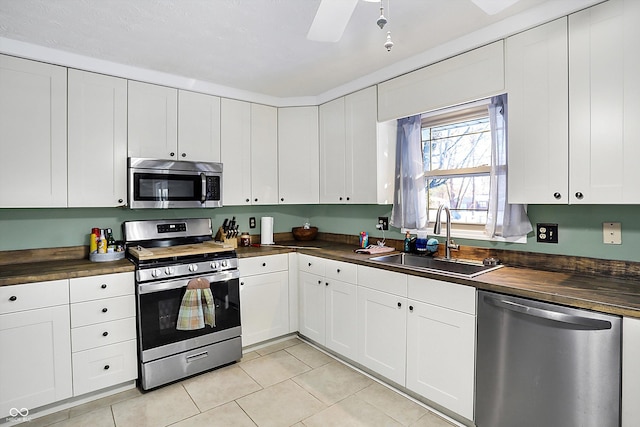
(547, 233)
(384, 222)
(612, 233)
(252, 222)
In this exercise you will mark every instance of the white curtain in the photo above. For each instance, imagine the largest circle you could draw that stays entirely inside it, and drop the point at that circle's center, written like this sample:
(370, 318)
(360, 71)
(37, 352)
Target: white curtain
(503, 219)
(409, 202)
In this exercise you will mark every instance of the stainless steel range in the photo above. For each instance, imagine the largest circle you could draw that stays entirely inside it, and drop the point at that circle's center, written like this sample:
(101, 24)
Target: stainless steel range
(188, 299)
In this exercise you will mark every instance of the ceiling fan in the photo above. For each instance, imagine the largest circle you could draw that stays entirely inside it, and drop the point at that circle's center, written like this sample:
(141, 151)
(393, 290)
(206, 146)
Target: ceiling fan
(333, 16)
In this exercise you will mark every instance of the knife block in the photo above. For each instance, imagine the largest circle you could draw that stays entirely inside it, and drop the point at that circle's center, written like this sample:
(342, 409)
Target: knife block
(231, 242)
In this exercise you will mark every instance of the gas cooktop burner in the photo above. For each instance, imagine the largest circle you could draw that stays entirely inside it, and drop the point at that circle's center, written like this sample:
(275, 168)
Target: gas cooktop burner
(164, 249)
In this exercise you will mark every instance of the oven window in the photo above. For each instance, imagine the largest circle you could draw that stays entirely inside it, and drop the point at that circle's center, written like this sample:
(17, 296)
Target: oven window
(164, 187)
(159, 314)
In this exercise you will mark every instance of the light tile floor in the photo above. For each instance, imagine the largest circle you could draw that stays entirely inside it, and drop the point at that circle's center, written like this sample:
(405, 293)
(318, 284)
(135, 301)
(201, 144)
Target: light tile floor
(289, 383)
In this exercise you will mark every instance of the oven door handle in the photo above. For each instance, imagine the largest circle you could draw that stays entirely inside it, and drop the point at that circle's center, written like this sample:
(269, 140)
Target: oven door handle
(147, 288)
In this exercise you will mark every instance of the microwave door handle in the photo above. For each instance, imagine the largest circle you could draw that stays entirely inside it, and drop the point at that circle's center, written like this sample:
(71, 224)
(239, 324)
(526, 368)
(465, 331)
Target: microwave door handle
(203, 197)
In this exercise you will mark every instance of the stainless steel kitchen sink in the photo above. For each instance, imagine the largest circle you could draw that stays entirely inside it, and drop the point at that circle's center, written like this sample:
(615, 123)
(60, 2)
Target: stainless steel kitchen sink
(452, 267)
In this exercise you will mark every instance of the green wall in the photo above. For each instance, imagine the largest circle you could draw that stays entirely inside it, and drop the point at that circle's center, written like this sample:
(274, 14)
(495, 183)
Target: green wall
(580, 227)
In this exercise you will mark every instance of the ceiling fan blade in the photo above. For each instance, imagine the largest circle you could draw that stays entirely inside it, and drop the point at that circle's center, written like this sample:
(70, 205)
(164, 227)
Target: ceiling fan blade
(331, 19)
(491, 7)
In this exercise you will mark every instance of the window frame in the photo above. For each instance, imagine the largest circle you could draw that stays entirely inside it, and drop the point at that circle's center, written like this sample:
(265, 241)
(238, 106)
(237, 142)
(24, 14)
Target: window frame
(460, 113)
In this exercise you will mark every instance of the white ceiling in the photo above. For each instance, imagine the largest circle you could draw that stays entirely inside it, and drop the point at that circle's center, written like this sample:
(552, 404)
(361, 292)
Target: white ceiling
(260, 46)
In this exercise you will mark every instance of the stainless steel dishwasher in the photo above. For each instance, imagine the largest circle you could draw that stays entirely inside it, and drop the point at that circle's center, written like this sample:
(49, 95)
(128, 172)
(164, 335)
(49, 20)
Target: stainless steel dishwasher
(542, 364)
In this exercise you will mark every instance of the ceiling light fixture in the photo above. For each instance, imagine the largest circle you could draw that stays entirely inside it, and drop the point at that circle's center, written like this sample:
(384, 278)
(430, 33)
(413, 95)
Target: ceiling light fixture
(388, 44)
(382, 20)
(381, 23)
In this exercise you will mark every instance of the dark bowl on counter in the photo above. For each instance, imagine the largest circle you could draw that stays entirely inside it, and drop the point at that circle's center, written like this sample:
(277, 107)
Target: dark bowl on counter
(304, 234)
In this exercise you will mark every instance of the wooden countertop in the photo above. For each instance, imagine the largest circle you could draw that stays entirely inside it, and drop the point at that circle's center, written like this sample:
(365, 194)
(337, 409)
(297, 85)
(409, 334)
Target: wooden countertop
(601, 293)
(14, 274)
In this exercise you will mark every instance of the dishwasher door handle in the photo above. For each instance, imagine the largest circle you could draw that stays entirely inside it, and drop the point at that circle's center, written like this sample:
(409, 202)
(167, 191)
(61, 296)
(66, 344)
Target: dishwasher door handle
(594, 324)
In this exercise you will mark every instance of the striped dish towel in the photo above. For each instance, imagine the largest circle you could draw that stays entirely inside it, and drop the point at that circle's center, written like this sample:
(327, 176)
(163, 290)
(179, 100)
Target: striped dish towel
(197, 307)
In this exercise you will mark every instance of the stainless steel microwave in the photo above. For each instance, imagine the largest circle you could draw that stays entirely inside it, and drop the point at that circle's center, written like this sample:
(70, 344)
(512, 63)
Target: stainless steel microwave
(163, 184)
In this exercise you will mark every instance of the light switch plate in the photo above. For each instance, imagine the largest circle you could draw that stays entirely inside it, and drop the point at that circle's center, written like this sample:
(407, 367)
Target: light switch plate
(612, 233)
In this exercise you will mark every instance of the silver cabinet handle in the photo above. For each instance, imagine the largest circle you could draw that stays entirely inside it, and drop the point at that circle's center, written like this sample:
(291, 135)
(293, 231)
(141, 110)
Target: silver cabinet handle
(548, 314)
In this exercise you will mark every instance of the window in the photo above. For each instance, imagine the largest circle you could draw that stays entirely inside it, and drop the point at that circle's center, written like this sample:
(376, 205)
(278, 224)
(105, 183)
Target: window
(456, 149)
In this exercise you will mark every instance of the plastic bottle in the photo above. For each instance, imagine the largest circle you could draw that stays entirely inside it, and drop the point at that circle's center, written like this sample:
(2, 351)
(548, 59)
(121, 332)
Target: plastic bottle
(407, 242)
(93, 240)
(102, 243)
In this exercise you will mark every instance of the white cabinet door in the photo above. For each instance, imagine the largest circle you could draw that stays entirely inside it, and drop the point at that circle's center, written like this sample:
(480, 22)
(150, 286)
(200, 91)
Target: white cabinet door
(235, 152)
(153, 121)
(604, 103)
(382, 333)
(298, 155)
(264, 155)
(362, 178)
(35, 361)
(332, 152)
(264, 306)
(198, 127)
(312, 306)
(441, 356)
(33, 133)
(97, 145)
(341, 318)
(537, 81)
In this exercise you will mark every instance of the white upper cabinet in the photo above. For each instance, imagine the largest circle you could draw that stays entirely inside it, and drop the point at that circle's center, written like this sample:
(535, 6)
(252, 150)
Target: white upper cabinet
(236, 152)
(264, 155)
(97, 144)
(298, 155)
(354, 158)
(604, 103)
(198, 127)
(153, 121)
(537, 83)
(33, 134)
(332, 152)
(472, 75)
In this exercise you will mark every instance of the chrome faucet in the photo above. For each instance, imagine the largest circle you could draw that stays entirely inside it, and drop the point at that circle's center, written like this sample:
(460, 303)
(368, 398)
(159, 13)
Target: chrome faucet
(449, 244)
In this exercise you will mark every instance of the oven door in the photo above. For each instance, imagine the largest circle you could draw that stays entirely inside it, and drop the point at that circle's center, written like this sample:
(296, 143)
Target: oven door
(159, 307)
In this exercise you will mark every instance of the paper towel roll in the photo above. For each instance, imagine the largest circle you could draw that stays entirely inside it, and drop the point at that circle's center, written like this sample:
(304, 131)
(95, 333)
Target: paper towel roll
(266, 230)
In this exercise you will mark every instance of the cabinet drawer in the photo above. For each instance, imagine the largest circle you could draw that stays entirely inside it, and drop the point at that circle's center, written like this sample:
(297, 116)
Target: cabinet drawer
(33, 295)
(383, 280)
(342, 271)
(104, 366)
(101, 334)
(311, 264)
(263, 264)
(104, 286)
(106, 310)
(444, 294)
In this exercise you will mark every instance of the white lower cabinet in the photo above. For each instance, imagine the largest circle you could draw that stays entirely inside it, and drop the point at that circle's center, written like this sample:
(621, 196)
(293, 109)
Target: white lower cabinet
(441, 331)
(328, 304)
(312, 321)
(440, 356)
(35, 360)
(341, 318)
(103, 334)
(382, 339)
(264, 297)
